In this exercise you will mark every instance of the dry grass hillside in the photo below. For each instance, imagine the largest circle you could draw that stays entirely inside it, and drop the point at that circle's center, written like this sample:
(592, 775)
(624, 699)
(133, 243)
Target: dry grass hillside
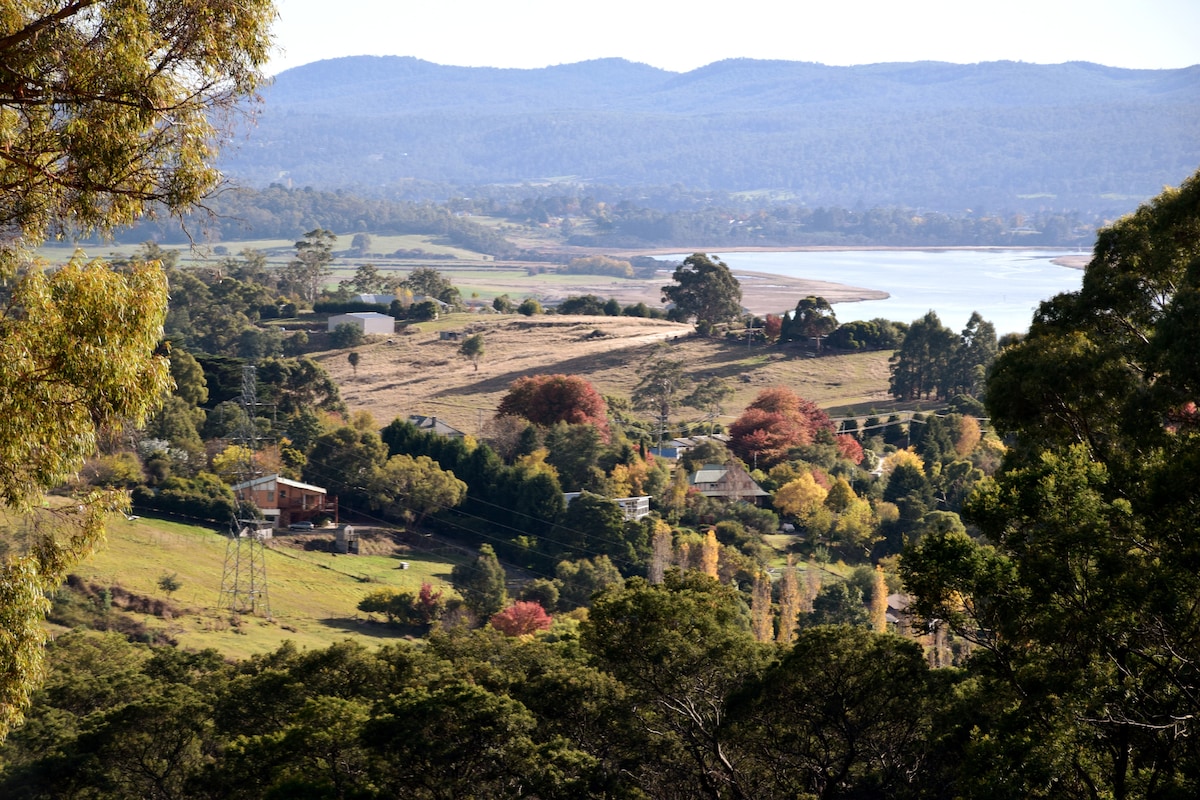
(421, 373)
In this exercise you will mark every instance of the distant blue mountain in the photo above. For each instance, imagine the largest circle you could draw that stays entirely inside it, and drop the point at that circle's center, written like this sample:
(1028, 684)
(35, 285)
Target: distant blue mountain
(927, 134)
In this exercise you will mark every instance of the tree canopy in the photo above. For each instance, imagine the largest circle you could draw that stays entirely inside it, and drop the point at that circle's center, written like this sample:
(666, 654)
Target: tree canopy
(108, 111)
(109, 108)
(704, 290)
(547, 399)
(1082, 596)
(774, 423)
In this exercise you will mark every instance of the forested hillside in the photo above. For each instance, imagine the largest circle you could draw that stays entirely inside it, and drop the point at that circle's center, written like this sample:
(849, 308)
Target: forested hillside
(995, 136)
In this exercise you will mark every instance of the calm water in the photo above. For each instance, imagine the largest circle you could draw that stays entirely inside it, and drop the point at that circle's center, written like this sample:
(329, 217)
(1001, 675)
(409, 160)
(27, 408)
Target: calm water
(1004, 286)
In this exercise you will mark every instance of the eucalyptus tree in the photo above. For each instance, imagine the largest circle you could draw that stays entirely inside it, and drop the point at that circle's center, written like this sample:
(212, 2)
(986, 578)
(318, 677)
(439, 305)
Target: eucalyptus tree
(108, 111)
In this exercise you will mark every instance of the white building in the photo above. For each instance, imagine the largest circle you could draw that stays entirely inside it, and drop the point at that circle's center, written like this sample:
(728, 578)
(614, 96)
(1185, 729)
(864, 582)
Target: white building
(368, 322)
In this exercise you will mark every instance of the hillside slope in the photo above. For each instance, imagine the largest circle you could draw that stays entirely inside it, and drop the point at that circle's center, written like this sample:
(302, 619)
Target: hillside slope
(998, 135)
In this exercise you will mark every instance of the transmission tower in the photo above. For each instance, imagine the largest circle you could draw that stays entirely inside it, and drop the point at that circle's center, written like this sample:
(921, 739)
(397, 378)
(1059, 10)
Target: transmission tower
(244, 578)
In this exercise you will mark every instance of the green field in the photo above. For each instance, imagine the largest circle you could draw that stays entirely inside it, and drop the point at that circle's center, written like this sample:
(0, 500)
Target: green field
(312, 595)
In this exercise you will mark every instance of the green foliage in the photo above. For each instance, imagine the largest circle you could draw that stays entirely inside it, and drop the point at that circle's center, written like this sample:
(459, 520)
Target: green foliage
(580, 580)
(204, 496)
(845, 713)
(398, 607)
(305, 275)
(346, 335)
(104, 99)
(661, 389)
(428, 282)
(680, 648)
(411, 488)
(599, 265)
(1080, 595)
(472, 349)
(170, 583)
(481, 583)
(932, 362)
(705, 290)
(343, 461)
(543, 591)
(812, 321)
(838, 603)
(529, 307)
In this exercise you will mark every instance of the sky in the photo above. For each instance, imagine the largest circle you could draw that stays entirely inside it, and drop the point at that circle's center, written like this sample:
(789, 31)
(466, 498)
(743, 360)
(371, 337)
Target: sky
(681, 36)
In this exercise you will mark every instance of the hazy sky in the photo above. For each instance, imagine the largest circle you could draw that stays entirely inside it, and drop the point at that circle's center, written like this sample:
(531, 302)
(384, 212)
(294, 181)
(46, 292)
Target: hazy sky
(680, 36)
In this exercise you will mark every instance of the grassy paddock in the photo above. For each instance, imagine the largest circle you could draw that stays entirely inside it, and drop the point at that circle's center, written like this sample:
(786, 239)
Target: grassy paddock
(313, 595)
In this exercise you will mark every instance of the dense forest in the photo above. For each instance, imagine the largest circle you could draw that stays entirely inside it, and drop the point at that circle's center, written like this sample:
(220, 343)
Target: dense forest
(995, 138)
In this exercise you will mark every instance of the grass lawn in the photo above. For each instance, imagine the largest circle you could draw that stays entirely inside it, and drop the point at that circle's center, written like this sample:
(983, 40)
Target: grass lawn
(312, 594)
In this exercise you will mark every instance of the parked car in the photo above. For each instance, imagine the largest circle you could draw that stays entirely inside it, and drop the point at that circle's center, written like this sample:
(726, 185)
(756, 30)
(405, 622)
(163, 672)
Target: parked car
(300, 526)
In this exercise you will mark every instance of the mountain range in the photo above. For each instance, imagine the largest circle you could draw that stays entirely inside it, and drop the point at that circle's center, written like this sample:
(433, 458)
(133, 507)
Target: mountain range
(1000, 135)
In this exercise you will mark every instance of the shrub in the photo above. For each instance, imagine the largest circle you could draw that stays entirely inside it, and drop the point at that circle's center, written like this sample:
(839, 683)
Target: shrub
(347, 335)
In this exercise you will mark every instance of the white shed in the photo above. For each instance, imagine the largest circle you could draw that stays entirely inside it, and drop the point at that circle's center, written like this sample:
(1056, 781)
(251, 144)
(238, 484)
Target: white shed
(366, 321)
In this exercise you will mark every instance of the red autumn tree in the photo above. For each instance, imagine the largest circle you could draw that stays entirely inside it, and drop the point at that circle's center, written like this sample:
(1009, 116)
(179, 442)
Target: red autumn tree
(849, 448)
(430, 605)
(772, 327)
(773, 424)
(522, 617)
(547, 399)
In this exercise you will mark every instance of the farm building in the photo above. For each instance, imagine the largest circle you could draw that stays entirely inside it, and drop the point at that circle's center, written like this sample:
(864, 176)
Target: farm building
(367, 321)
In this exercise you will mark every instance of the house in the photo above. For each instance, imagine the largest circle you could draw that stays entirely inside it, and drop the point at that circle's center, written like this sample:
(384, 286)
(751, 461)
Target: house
(284, 501)
(675, 449)
(728, 482)
(632, 508)
(368, 322)
(434, 425)
(898, 614)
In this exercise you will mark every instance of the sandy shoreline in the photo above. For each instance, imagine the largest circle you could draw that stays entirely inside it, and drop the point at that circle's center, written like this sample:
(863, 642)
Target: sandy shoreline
(762, 292)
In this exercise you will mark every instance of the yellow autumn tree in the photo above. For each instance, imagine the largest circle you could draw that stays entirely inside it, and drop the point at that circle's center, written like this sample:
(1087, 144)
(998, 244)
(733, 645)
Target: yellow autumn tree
(710, 555)
(906, 457)
(801, 497)
(660, 551)
(856, 526)
(760, 608)
(789, 603)
(233, 464)
(877, 613)
(968, 436)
